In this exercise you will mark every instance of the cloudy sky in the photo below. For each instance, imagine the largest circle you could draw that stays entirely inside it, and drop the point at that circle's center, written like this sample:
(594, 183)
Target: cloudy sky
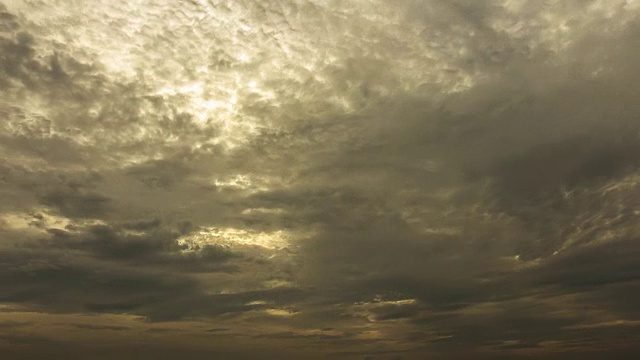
(311, 179)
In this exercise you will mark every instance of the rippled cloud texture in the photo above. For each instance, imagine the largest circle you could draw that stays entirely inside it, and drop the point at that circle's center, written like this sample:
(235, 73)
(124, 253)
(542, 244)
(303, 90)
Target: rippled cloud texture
(302, 179)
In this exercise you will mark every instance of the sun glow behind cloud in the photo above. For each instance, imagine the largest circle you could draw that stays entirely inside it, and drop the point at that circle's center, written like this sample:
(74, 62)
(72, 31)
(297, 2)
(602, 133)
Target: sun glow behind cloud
(233, 237)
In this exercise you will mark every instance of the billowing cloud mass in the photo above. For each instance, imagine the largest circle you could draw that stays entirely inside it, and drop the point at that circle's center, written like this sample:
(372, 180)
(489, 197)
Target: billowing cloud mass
(302, 179)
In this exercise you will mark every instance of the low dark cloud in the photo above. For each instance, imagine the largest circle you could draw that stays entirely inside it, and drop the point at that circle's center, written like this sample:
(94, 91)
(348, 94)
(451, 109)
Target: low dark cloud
(76, 202)
(99, 327)
(159, 174)
(10, 324)
(615, 263)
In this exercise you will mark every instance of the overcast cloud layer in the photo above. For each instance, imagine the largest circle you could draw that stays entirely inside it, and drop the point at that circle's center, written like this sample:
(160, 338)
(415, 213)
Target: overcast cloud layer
(365, 179)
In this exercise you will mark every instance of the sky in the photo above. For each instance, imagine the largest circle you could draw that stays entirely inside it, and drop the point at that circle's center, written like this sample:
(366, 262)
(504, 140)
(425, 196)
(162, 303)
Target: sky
(319, 179)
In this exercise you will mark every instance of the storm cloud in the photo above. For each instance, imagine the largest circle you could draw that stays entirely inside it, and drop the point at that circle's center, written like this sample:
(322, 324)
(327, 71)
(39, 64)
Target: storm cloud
(315, 179)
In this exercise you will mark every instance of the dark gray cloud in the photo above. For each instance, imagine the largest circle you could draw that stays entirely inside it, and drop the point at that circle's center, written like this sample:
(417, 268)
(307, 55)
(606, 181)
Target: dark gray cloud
(442, 179)
(10, 324)
(99, 327)
(76, 203)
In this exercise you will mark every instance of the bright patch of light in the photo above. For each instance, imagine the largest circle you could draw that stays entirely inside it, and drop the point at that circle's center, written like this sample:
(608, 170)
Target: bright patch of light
(18, 221)
(257, 302)
(245, 182)
(259, 211)
(280, 312)
(243, 57)
(235, 237)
